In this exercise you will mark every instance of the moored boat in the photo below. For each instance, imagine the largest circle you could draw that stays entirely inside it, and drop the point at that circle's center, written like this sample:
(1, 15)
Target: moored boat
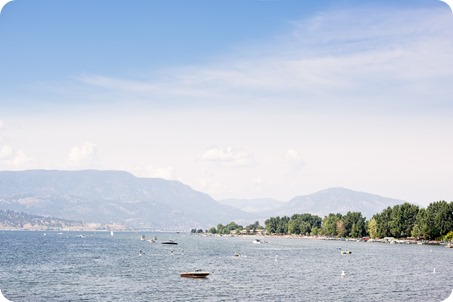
(194, 274)
(345, 252)
(259, 241)
(169, 242)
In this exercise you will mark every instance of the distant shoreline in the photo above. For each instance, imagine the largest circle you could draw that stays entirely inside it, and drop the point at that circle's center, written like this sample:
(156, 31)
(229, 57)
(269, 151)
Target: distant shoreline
(388, 240)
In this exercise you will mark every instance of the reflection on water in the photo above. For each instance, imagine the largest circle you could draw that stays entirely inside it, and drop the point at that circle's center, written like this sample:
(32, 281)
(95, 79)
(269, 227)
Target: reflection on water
(101, 267)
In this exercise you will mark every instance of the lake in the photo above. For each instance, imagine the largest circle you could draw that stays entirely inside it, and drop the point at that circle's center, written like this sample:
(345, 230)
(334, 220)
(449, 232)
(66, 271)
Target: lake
(52, 266)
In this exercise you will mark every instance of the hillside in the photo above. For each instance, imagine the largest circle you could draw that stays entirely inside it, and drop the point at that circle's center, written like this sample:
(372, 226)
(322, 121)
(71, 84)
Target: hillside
(111, 197)
(11, 220)
(334, 200)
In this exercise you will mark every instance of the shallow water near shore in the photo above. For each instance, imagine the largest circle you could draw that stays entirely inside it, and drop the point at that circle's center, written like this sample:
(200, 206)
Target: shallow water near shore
(52, 266)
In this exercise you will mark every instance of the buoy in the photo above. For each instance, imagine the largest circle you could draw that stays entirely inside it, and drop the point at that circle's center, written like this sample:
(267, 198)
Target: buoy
(343, 274)
(434, 270)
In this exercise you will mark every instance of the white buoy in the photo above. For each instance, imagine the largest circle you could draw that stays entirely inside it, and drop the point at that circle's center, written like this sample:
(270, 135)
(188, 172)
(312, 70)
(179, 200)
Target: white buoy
(276, 256)
(342, 274)
(434, 270)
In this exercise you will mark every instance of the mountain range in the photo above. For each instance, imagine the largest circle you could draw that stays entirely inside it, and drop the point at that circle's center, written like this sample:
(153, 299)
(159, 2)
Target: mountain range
(112, 197)
(335, 200)
(109, 197)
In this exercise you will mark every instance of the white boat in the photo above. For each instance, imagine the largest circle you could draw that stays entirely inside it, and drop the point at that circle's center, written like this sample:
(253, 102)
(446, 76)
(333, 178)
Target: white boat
(111, 233)
(259, 241)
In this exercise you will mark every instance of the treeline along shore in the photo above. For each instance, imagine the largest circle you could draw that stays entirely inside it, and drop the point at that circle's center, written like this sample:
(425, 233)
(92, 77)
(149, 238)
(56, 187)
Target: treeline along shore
(435, 222)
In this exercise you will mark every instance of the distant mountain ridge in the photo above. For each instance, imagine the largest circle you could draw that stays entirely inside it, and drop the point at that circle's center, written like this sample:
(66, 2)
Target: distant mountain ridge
(118, 197)
(335, 200)
(111, 197)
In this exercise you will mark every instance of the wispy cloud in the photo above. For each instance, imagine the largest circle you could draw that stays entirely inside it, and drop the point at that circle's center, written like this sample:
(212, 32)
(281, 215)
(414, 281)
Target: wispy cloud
(228, 156)
(355, 58)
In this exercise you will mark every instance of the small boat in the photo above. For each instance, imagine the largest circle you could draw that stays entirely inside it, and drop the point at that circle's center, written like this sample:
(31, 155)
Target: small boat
(196, 274)
(345, 252)
(169, 242)
(143, 237)
(259, 241)
(111, 233)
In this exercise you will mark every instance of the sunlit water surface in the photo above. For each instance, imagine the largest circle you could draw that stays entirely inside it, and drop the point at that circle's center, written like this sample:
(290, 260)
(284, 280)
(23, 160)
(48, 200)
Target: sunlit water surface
(51, 266)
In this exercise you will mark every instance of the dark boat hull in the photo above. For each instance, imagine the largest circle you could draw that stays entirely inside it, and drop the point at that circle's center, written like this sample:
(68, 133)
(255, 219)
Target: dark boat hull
(194, 274)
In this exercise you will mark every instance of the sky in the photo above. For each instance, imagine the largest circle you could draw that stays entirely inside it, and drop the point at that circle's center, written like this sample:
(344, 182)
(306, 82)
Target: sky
(237, 99)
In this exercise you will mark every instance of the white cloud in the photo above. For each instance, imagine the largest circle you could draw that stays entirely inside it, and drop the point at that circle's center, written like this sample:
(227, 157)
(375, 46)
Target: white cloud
(293, 156)
(294, 160)
(11, 158)
(228, 156)
(84, 156)
(162, 172)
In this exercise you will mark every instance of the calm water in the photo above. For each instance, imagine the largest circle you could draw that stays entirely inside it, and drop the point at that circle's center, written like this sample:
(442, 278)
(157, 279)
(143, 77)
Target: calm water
(100, 267)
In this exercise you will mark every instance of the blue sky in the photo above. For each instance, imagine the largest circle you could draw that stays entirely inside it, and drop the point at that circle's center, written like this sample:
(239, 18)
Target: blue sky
(244, 98)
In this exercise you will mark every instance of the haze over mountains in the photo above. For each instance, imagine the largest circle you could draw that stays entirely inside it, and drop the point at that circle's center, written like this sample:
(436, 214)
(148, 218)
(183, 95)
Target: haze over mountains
(111, 197)
(337, 200)
(332, 200)
(119, 197)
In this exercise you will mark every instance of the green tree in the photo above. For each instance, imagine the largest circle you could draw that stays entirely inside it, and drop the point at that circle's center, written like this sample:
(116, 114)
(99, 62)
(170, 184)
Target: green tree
(373, 228)
(449, 237)
(253, 227)
(212, 230)
(270, 225)
(439, 219)
(220, 229)
(315, 231)
(383, 220)
(402, 219)
(421, 226)
(303, 223)
(354, 224)
(329, 224)
(340, 228)
(282, 226)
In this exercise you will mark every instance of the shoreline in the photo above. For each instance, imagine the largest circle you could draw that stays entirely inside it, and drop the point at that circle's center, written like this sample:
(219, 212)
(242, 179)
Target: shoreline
(388, 240)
